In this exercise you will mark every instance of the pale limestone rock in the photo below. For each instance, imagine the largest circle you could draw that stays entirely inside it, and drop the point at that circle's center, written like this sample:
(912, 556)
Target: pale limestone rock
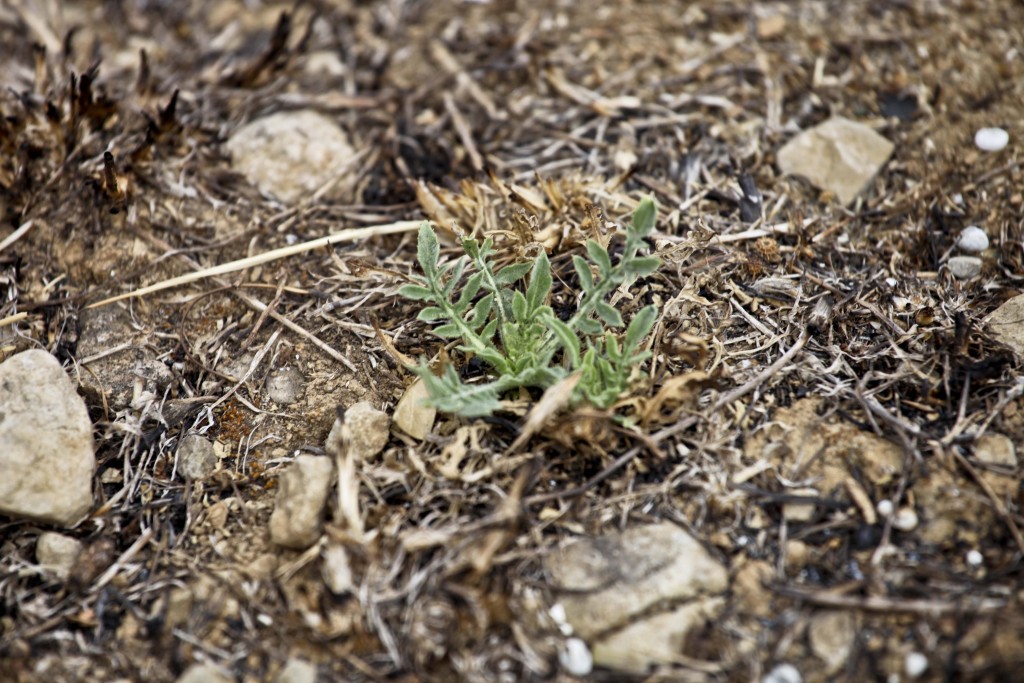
(1006, 324)
(197, 458)
(297, 671)
(363, 431)
(832, 634)
(57, 553)
(298, 509)
(605, 583)
(291, 155)
(46, 447)
(839, 155)
(205, 673)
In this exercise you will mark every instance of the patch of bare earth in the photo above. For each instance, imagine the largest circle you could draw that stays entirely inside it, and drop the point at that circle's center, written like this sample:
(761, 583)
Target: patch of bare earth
(826, 411)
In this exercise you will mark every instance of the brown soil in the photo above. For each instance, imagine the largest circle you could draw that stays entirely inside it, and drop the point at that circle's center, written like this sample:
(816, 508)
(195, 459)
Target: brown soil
(556, 116)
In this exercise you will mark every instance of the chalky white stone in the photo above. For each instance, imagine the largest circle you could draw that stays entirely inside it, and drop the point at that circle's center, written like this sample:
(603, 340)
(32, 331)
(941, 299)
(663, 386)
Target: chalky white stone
(783, 673)
(965, 267)
(46, 448)
(991, 139)
(915, 664)
(974, 558)
(576, 658)
(973, 239)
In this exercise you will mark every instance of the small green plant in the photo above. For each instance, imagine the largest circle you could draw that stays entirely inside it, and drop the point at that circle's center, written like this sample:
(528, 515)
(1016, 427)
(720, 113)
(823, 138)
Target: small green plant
(517, 334)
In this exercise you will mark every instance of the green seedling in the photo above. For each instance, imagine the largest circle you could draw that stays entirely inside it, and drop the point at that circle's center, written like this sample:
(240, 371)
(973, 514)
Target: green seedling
(512, 329)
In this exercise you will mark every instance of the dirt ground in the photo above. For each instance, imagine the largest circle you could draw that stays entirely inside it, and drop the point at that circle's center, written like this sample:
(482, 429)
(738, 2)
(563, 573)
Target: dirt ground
(858, 368)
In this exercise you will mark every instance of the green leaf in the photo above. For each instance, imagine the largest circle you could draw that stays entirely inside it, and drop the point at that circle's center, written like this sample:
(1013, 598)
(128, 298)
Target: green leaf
(448, 331)
(416, 293)
(481, 312)
(427, 249)
(519, 306)
(599, 255)
(608, 314)
(640, 326)
(511, 274)
(488, 332)
(589, 326)
(583, 272)
(645, 216)
(540, 282)
(430, 314)
(639, 266)
(471, 247)
(469, 290)
(611, 347)
(570, 342)
(456, 268)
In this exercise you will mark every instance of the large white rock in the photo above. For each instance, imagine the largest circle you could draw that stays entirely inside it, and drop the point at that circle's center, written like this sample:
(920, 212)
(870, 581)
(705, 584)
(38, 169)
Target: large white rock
(57, 553)
(612, 588)
(46, 448)
(839, 155)
(290, 155)
(362, 432)
(298, 509)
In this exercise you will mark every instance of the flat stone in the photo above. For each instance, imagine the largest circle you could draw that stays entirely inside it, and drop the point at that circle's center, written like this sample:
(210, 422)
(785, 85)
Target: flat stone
(285, 386)
(291, 155)
(298, 509)
(205, 673)
(364, 431)
(965, 267)
(197, 458)
(801, 512)
(57, 553)
(839, 155)
(46, 449)
(656, 640)
(297, 671)
(1006, 324)
(832, 634)
(996, 449)
(610, 579)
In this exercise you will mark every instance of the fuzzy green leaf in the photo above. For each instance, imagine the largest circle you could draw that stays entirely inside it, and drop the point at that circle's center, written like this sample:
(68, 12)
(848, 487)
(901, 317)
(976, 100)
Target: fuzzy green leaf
(469, 290)
(511, 274)
(430, 314)
(583, 272)
(448, 331)
(640, 266)
(427, 249)
(570, 342)
(519, 306)
(481, 312)
(599, 255)
(645, 216)
(416, 293)
(608, 314)
(589, 326)
(540, 282)
(639, 327)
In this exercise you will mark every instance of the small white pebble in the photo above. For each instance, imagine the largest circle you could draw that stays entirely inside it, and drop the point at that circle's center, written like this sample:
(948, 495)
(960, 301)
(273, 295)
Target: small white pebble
(915, 664)
(958, 199)
(884, 507)
(991, 139)
(974, 558)
(891, 281)
(265, 619)
(972, 238)
(557, 613)
(575, 658)
(783, 673)
(905, 520)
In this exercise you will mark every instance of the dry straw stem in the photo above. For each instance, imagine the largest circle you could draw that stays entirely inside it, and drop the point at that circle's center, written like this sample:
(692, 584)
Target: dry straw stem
(267, 257)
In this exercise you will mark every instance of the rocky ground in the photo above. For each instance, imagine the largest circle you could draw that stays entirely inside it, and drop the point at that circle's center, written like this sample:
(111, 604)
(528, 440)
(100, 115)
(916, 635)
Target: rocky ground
(225, 474)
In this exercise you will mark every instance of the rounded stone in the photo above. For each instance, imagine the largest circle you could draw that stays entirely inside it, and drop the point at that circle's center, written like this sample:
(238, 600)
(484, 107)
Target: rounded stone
(972, 239)
(965, 267)
(285, 386)
(991, 139)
